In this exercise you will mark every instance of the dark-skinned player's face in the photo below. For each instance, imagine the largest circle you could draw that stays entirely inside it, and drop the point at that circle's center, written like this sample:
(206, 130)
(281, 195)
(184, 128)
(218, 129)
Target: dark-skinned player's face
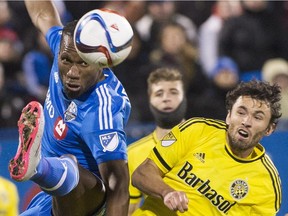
(77, 76)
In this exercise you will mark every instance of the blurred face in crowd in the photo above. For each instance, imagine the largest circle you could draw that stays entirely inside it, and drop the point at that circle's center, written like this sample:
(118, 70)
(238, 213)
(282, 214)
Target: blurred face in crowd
(226, 79)
(5, 14)
(229, 8)
(249, 121)
(256, 6)
(173, 39)
(161, 10)
(77, 76)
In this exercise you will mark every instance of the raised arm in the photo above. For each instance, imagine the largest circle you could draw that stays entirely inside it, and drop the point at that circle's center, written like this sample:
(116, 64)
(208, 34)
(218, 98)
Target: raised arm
(43, 14)
(149, 179)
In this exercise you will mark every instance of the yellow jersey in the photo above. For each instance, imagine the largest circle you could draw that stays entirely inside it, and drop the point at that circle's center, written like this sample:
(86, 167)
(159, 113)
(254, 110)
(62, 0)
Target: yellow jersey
(196, 159)
(8, 198)
(137, 153)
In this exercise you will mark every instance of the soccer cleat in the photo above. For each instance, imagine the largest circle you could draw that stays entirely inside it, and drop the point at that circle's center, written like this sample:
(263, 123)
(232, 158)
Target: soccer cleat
(30, 126)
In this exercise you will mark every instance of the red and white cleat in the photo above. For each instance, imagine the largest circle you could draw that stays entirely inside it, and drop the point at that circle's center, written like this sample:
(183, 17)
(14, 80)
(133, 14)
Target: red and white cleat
(30, 126)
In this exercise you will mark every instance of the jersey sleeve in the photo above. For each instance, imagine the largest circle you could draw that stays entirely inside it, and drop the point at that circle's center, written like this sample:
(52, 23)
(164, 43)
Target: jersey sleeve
(53, 37)
(103, 128)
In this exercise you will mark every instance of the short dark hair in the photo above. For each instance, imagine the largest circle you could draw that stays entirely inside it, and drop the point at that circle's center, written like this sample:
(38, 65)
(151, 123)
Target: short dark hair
(258, 90)
(68, 29)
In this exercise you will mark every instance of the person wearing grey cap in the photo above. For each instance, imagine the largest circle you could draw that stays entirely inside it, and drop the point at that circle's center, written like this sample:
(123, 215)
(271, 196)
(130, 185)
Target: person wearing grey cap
(276, 71)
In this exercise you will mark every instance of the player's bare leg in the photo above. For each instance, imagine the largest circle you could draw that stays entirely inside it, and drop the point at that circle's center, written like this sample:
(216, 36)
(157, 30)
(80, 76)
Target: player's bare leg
(87, 198)
(87, 193)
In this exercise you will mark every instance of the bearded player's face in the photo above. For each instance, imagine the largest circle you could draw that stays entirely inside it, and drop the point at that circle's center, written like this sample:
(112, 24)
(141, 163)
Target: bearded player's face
(248, 122)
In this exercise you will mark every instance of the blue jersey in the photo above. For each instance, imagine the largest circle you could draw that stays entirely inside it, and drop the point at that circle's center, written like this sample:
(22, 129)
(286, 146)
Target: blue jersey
(90, 127)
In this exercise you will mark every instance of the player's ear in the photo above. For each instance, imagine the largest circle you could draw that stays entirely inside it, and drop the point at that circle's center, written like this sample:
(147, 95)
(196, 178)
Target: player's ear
(228, 117)
(270, 129)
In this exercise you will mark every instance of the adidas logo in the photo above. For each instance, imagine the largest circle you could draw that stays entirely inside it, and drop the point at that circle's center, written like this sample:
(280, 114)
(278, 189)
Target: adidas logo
(200, 156)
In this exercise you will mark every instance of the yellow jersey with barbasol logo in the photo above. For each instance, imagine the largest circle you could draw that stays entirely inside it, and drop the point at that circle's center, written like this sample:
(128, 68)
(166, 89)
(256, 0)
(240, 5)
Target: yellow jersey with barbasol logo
(196, 159)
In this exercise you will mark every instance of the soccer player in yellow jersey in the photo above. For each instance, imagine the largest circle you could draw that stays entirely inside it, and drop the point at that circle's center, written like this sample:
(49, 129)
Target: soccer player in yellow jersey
(8, 198)
(209, 167)
(168, 105)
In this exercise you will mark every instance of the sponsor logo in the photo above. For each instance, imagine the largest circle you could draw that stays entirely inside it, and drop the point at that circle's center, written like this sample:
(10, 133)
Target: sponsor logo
(109, 141)
(168, 139)
(204, 188)
(60, 129)
(49, 105)
(200, 156)
(239, 189)
(71, 112)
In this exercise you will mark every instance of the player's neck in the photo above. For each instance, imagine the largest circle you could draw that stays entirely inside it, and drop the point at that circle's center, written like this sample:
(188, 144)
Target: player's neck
(160, 132)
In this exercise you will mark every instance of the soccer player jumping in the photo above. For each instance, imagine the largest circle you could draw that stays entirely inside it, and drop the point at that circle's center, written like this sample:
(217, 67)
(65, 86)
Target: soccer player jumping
(75, 147)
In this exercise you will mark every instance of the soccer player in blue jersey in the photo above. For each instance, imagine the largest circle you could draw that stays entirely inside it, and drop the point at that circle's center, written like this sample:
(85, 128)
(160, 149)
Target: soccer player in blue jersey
(82, 165)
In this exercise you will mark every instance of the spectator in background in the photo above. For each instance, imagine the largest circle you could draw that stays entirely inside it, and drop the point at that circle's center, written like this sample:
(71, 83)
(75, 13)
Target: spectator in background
(252, 38)
(9, 199)
(209, 32)
(197, 11)
(276, 71)
(175, 50)
(13, 94)
(224, 77)
(159, 13)
(131, 10)
(5, 14)
(36, 64)
(135, 68)
(168, 105)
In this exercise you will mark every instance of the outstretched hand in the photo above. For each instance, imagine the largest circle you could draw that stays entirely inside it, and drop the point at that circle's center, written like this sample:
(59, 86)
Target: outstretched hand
(176, 200)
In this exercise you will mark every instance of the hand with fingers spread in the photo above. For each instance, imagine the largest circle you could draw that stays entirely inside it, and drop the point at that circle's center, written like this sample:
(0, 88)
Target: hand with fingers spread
(176, 200)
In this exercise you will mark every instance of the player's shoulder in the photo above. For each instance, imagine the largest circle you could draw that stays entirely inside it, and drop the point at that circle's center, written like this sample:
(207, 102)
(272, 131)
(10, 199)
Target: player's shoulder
(144, 142)
(202, 122)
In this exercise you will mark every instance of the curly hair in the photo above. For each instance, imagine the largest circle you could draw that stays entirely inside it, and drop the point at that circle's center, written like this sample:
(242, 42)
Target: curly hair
(258, 90)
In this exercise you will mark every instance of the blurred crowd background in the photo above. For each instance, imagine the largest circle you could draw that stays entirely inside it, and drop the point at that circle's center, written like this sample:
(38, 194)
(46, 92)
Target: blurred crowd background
(215, 44)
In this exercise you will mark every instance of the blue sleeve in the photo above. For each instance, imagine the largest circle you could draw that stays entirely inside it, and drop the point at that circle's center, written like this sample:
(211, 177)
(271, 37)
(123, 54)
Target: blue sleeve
(103, 126)
(108, 144)
(53, 37)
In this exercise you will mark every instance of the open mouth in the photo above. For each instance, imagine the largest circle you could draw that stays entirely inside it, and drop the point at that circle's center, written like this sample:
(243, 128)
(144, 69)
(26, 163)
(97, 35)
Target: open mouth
(243, 133)
(72, 86)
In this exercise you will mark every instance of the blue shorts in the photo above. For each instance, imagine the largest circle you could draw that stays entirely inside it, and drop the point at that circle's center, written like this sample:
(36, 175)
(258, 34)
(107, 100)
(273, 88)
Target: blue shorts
(41, 205)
